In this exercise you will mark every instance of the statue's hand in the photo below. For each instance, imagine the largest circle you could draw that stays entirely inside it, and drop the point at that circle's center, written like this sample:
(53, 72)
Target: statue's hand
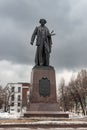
(49, 35)
(31, 43)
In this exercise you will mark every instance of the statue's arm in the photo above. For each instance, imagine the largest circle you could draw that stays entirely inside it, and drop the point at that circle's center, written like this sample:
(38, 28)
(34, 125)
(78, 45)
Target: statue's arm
(49, 37)
(33, 36)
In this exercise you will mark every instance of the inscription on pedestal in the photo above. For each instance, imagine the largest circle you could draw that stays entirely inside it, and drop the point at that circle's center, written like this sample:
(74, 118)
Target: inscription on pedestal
(44, 87)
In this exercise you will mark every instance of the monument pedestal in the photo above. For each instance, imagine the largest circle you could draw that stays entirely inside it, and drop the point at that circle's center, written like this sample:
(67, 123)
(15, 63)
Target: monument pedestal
(43, 97)
(43, 91)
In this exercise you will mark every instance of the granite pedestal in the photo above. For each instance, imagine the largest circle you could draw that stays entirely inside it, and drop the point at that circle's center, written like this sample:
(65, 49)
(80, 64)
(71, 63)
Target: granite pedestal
(43, 97)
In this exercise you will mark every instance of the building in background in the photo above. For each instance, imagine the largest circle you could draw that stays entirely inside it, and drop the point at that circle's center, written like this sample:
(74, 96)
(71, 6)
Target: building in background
(17, 95)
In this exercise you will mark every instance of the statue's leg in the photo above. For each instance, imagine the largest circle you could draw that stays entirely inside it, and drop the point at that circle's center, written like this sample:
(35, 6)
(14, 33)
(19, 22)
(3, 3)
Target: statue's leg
(41, 54)
(44, 56)
(47, 58)
(37, 56)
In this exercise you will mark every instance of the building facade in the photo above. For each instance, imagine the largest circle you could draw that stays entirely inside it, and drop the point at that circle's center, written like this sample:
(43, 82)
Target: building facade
(17, 96)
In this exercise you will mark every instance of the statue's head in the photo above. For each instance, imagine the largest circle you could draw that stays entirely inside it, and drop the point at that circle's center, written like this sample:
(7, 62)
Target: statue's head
(42, 21)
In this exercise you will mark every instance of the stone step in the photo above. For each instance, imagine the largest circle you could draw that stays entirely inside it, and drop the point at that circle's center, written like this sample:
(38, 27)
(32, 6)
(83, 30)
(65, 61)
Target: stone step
(46, 124)
(46, 114)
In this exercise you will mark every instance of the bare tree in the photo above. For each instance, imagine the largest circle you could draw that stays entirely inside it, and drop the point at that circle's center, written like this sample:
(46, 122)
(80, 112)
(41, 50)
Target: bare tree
(1, 97)
(7, 93)
(64, 96)
(75, 93)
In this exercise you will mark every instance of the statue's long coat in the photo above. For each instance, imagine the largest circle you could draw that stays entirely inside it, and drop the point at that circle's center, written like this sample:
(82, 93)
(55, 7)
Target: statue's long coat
(43, 43)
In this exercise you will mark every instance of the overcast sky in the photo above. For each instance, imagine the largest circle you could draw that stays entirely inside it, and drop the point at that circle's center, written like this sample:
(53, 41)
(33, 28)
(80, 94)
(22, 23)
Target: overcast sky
(18, 18)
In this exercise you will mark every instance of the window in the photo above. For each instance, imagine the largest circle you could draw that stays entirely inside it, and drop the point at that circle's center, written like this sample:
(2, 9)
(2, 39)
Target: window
(18, 110)
(19, 104)
(12, 104)
(12, 89)
(12, 97)
(12, 109)
(19, 97)
(19, 89)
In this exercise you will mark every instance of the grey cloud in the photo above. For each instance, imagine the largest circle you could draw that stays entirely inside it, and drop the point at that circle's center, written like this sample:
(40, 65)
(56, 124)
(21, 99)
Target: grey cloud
(66, 17)
(14, 50)
(21, 12)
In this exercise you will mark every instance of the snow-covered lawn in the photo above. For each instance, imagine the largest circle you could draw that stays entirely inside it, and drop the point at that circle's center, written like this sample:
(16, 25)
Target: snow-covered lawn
(76, 116)
(6, 115)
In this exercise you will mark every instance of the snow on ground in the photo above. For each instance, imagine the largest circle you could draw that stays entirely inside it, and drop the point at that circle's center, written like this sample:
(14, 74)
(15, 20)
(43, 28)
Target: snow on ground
(43, 129)
(74, 115)
(6, 115)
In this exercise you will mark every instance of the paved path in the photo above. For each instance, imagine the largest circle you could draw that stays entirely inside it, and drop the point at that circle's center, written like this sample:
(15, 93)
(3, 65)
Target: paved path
(43, 125)
(43, 129)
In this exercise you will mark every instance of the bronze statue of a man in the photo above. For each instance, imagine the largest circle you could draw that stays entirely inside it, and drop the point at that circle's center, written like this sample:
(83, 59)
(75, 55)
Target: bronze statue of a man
(43, 43)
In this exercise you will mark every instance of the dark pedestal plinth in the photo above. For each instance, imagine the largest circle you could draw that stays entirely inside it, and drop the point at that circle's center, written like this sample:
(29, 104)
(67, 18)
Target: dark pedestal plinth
(46, 114)
(43, 107)
(43, 92)
(45, 73)
(43, 97)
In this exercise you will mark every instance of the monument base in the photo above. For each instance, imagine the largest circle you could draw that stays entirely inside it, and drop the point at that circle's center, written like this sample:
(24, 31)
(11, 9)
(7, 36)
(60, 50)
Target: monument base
(46, 114)
(43, 107)
(43, 85)
(43, 97)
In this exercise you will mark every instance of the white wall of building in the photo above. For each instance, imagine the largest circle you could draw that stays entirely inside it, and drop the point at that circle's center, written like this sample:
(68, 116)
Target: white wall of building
(15, 104)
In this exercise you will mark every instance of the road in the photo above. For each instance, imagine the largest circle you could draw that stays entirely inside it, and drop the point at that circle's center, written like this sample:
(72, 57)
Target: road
(43, 128)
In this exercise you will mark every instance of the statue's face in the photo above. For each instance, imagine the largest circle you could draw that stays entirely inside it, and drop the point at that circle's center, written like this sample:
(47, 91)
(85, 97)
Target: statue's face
(42, 22)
